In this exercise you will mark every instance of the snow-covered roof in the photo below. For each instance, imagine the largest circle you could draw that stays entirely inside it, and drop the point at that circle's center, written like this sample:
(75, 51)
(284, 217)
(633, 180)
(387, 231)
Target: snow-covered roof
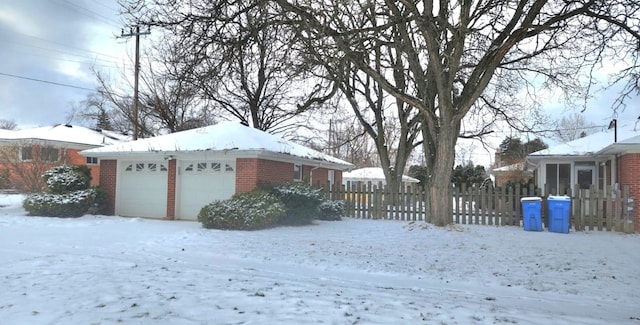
(373, 174)
(220, 137)
(71, 134)
(594, 144)
(510, 168)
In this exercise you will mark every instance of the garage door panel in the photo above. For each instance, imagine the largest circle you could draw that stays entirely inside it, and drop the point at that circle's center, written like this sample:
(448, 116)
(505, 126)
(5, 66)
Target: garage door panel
(143, 190)
(202, 183)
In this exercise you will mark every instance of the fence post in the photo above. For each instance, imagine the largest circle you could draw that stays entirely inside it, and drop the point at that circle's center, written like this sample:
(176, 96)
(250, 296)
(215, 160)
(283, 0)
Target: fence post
(629, 214)
(609, 217)
(578, 208)
(464, 201)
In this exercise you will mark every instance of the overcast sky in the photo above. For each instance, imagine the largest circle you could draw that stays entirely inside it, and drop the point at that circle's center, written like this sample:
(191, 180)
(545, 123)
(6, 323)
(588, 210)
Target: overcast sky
(57, 42)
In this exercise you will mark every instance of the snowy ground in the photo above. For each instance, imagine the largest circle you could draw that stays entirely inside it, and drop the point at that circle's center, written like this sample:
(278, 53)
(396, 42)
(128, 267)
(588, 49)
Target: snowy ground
(111, 270)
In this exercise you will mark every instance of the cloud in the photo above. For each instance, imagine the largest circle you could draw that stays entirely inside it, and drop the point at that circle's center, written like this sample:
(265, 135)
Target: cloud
(56, 42)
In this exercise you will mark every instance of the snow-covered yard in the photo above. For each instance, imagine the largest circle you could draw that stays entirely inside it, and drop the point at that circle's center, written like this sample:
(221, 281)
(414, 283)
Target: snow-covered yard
(112, 270)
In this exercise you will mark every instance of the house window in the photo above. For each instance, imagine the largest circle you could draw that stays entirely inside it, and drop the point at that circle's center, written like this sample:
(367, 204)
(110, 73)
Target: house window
(558, 179)
(49, 154)
(92, 160)
(26, 153)
(228, 168)
(215, 167)
(297, 172)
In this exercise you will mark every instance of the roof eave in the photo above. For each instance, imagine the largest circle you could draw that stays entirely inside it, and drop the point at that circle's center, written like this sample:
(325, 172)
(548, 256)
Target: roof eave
(252, 153)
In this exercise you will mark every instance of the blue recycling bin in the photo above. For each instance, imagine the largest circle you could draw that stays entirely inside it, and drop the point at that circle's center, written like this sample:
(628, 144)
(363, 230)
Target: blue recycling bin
(531, 210)
(559, 208)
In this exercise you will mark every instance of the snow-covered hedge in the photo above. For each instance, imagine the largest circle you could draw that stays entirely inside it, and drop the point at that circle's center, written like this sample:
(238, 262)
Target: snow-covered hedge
(65, 179)
(246, 211)
(331, 210)
(70, 195)
(68, 205)
(301, 202)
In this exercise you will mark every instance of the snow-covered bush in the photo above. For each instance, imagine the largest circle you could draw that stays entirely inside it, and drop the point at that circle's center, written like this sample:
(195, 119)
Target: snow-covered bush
(247, 211)
(67, 205)
(301, 202)
(65, 179)
(70, 195)
(331, 210)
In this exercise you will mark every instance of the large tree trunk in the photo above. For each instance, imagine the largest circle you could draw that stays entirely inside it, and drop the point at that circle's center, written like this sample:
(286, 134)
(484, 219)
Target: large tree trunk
(440, 157)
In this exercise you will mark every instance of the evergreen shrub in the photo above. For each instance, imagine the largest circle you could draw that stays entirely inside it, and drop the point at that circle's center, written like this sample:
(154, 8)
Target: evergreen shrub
(331, 210)
(65, 179)
(246, 211)
(67, 205)
(301, 202)
(69, 194)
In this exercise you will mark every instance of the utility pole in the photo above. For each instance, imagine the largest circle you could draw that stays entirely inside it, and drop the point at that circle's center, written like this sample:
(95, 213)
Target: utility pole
(137, 34)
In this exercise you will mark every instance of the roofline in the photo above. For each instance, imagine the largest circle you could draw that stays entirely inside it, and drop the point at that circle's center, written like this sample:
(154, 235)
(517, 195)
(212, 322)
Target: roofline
(255, 153)
(65, 144)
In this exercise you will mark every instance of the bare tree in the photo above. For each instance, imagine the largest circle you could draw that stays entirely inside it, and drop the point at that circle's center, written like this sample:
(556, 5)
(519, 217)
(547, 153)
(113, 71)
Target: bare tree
(573, 127)
(26, 161)
(8, 124)
(166, 104)
(236, 57)
(460, 56)
(348, 141)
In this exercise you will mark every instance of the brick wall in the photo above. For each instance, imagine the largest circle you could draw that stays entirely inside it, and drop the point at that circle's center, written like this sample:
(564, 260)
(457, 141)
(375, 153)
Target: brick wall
(246, 176)
(108, 172)
(629, 175)
(254, 172)
(319, 176)
(74, 158)
(171, 190)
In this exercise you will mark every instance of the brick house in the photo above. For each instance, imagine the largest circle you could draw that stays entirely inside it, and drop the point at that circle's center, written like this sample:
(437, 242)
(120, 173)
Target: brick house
(607, 160)
(26, 154)
(514, 173)
(173, 176)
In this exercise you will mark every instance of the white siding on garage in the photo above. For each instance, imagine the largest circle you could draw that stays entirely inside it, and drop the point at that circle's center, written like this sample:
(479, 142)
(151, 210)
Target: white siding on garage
(142, 189)
(202, 182)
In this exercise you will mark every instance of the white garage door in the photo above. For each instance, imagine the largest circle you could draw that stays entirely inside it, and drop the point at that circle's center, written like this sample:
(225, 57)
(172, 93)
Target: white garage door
(202, 182)
(142, 189)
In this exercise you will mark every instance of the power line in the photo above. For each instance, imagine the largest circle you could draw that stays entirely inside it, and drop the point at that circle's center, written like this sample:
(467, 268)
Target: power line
(45, 81)
(63, 52)
(66, 46)
(88, 12)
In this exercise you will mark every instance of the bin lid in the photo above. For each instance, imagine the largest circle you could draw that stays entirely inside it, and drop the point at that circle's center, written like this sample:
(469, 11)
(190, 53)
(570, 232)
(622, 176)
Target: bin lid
(530, 198)
(559, 198)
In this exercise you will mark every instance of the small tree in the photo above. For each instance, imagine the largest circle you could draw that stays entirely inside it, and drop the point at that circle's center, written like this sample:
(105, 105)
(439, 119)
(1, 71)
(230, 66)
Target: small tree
(513, 150)
(468, 174)
(27, 161)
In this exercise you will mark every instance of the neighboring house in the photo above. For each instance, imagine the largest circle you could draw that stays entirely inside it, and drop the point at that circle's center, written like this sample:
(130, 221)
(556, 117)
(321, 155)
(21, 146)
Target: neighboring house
(515, 173)
(509, 171)
(596, 159)
(26, 154)
(375, 175)
(173, 176)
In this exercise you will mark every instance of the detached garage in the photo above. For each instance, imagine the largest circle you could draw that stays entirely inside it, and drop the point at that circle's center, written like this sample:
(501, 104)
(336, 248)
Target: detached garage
(172, 176)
